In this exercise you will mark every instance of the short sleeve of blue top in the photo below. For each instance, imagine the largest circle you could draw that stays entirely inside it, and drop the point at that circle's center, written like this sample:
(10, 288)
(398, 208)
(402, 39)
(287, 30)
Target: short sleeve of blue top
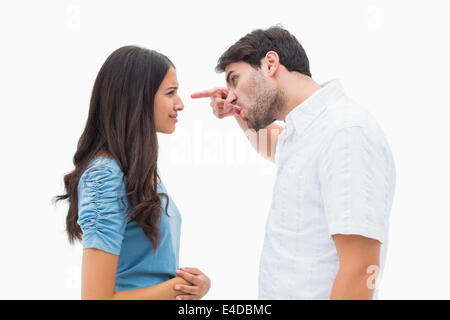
(101, 216)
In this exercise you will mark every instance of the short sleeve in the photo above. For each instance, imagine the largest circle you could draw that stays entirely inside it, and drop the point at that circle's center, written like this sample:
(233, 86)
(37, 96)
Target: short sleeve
(101, 214)
(356, 184)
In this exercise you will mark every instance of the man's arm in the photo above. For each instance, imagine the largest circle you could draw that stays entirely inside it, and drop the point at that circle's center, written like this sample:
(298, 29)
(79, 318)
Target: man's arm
(263, 141)
(358, 267)
(99, 277)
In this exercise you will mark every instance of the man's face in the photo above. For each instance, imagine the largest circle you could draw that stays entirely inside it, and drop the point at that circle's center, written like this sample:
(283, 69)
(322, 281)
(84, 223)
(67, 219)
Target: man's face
(254, 93)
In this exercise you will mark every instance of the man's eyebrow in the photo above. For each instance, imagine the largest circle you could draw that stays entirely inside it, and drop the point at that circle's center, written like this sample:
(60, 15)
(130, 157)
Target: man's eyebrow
(228, 76)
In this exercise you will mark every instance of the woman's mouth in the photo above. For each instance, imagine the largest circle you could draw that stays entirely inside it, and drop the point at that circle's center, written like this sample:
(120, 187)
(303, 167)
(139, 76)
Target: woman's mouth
(174, 117)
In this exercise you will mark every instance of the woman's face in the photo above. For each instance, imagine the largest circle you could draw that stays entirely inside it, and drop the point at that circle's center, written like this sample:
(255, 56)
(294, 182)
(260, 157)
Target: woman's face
(167, 103)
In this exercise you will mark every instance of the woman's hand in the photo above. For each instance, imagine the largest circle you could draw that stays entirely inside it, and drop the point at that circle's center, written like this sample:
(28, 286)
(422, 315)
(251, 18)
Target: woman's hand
(200, 284)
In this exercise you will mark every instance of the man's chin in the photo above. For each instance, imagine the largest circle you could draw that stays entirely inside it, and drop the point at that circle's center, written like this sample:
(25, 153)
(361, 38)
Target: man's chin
(252, 126)
(259, 126)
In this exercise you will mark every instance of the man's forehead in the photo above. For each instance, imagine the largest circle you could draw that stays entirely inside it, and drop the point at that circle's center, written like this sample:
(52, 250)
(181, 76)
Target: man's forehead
(236, 66)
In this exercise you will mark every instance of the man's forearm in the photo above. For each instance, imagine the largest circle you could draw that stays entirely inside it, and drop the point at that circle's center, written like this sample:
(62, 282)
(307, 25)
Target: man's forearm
(265, 140)
(161, 291)
(352, 285)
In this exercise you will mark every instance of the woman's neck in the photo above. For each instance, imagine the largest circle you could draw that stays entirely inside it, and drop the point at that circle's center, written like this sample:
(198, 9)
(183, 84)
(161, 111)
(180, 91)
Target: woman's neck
(103, 153)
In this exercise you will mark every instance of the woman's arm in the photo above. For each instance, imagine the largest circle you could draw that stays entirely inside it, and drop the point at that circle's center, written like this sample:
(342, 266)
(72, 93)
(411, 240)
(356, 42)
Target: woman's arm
(99, 277)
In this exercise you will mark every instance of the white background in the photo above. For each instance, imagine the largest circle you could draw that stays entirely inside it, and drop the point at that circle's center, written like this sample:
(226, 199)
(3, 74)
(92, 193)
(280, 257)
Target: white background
(391, 56)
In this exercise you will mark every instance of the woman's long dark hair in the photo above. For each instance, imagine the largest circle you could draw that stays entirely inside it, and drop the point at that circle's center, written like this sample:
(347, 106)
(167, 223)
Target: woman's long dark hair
(121, 123)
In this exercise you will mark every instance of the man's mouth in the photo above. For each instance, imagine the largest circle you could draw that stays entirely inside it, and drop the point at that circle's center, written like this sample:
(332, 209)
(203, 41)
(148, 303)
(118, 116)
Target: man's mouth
(241, 114)
(237, 110)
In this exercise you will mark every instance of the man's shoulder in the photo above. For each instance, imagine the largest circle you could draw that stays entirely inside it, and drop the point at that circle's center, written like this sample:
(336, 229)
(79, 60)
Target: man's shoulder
(347, 113)
(348, 119)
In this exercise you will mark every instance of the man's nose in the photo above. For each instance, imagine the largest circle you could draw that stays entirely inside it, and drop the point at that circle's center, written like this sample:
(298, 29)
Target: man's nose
(231, 98)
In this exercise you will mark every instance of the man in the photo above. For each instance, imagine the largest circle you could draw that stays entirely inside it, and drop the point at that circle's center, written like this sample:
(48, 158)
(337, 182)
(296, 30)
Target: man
(327, 230)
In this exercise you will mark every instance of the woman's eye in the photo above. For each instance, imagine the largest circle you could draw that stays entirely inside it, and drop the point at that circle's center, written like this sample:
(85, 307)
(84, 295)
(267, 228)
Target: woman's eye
(171, 93)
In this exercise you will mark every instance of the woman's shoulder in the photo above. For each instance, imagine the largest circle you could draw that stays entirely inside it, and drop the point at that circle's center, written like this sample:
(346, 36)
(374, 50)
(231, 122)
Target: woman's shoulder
(101, 168)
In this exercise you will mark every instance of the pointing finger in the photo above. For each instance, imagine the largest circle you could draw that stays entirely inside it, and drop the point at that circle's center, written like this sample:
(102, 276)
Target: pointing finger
(218, 92)
(202, 94)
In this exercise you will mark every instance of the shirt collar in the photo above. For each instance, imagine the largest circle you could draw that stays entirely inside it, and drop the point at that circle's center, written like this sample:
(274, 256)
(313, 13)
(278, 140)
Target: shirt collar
(304, 114)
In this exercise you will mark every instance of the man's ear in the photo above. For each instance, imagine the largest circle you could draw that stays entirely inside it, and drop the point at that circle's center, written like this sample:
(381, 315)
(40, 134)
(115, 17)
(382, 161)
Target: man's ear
(272, 63)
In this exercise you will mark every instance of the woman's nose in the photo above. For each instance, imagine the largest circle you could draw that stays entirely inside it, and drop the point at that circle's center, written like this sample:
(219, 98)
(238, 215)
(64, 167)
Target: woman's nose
(180, 105)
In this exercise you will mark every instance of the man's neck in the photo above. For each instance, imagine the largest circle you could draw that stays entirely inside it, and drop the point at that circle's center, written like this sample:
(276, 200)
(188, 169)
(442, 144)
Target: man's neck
(296, 88)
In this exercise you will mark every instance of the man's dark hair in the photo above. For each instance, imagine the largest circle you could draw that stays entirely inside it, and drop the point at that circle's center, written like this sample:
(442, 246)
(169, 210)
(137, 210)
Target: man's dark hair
(254, 46)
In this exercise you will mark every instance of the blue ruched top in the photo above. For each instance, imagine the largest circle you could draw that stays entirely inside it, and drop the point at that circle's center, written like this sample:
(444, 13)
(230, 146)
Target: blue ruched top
(101, 216)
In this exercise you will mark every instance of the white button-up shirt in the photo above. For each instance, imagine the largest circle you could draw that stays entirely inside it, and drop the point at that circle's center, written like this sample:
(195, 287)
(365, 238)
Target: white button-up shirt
(336, 175)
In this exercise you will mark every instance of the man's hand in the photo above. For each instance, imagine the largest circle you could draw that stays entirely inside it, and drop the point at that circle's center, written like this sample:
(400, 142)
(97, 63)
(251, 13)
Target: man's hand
(220, 108)
(218, 97)
(200, 284)
(264, 143)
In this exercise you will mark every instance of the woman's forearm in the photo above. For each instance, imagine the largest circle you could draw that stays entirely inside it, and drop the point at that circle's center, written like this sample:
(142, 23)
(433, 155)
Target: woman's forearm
(161, 291)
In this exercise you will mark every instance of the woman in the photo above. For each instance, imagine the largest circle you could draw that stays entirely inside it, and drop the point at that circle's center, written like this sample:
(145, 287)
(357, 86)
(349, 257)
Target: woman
(119, 207)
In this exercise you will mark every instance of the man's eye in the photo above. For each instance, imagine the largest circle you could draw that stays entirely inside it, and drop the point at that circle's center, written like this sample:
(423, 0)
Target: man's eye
(233, 79)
